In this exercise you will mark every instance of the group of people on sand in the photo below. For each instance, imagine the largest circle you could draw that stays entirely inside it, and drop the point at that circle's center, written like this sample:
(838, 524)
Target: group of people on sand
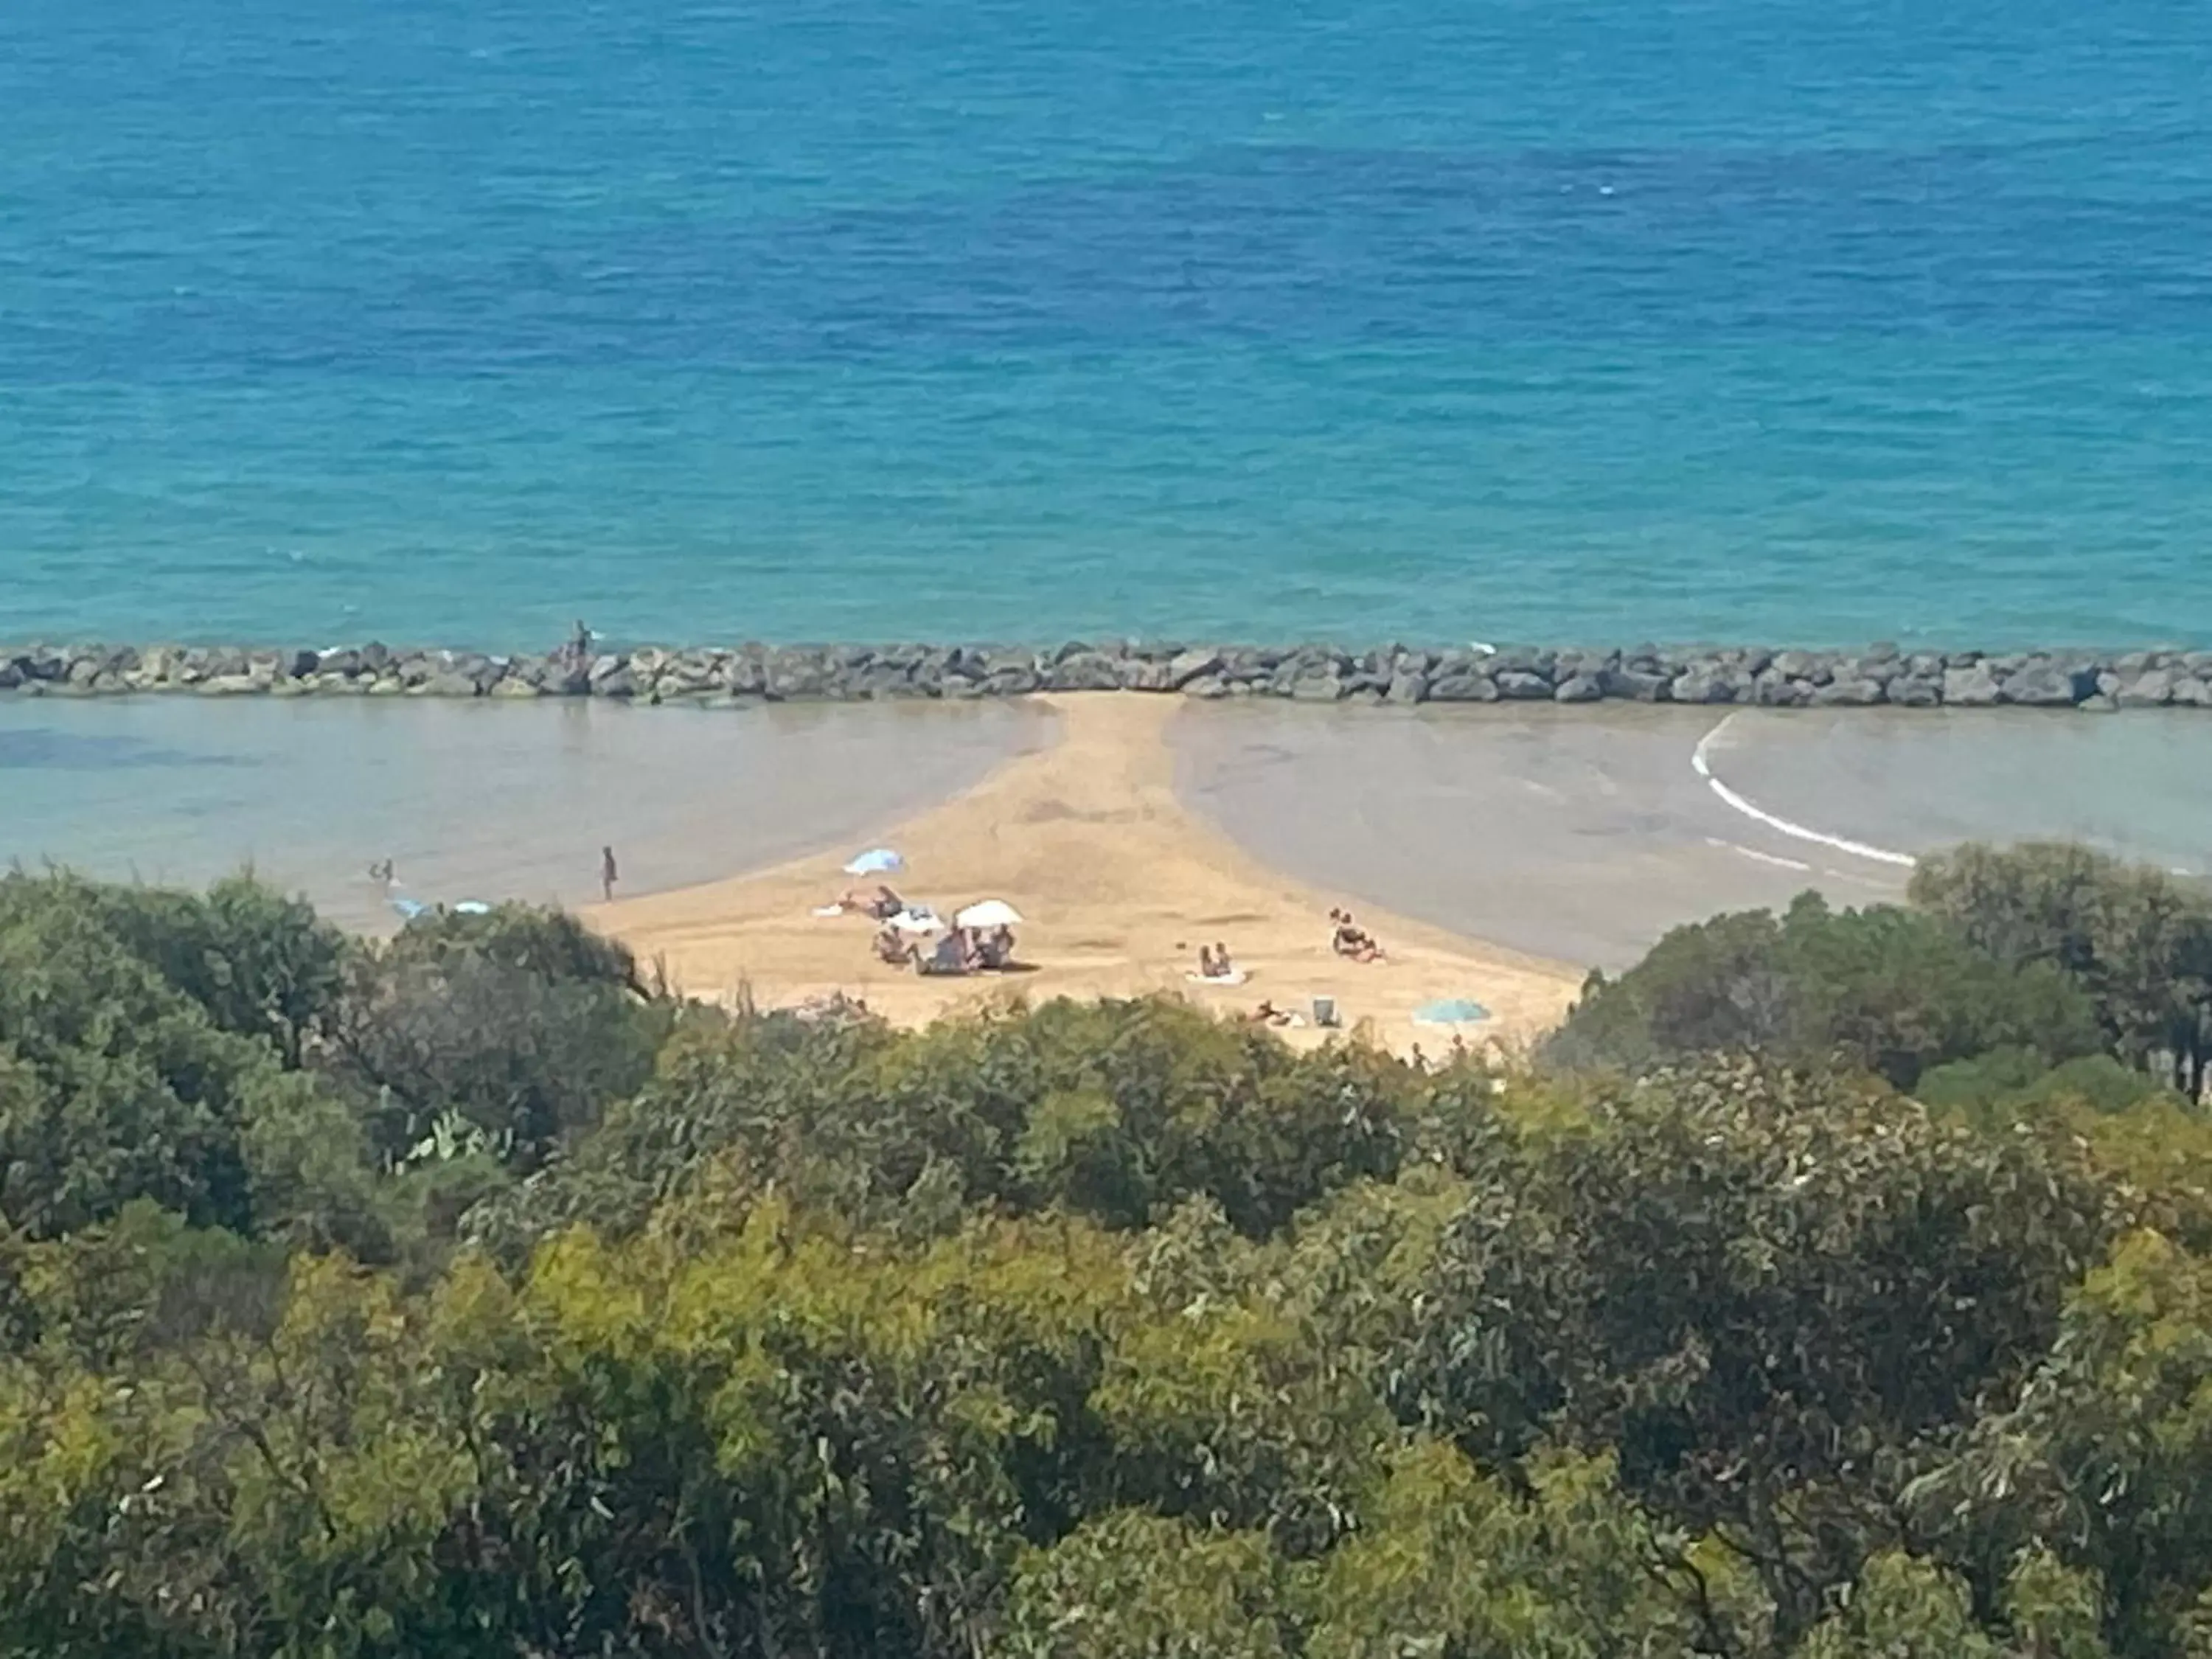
(1351, 941)
(954, 950)
(957, 950)
(1216, 967)
(1348, 939)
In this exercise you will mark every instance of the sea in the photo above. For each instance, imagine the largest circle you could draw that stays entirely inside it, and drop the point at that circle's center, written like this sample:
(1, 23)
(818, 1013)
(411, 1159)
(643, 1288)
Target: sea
(1809, 322)
(453, 321)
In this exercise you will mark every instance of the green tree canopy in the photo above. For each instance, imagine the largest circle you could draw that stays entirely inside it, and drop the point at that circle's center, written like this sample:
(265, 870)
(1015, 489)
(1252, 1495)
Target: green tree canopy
(1773, 1300)
(1883, 989)
(2136, 940)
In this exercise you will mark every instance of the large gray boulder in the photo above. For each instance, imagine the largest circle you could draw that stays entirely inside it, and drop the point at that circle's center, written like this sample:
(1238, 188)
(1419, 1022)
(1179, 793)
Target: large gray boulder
(2152, 688)
(1915, 691)
(1409, 686)
(1856, 693)
(1187, 666)
(1638, 684)
(882, 682)
(1772, 688)
(1701, 685)
(1085, 671)
(1816, 666)
(1317, 688)
(1580, 688)
(2048, 685)
(1524, 685)
(796, 671)
(1575, 664)
(1970, 687)
(1463, 686)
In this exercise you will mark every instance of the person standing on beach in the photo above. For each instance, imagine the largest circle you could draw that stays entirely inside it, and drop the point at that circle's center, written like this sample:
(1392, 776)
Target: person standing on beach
(609, 875)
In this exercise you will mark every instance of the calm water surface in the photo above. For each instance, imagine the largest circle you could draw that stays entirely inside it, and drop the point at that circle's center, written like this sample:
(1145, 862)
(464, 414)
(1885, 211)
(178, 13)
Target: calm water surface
(1802, 320)
(470, 801)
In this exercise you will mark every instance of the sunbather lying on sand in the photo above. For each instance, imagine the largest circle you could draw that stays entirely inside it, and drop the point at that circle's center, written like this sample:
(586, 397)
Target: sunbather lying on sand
(880, 906)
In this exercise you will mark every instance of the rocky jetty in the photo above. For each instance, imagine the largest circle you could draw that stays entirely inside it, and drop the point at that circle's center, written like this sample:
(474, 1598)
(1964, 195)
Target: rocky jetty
(1883, 674)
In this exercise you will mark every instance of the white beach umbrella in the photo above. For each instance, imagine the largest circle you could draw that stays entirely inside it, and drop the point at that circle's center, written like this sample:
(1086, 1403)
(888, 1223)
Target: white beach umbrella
(988, 913)
(876, 861)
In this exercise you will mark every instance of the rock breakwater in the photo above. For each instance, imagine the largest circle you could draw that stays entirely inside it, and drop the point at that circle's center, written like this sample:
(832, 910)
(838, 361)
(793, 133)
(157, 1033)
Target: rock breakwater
(1886, 675)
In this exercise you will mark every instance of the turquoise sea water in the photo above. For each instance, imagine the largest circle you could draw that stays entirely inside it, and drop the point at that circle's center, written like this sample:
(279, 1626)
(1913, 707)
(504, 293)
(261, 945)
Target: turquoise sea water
(1808, 320)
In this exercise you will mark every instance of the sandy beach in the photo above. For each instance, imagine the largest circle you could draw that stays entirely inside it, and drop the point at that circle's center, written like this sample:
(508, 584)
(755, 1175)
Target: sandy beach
(1119, 883)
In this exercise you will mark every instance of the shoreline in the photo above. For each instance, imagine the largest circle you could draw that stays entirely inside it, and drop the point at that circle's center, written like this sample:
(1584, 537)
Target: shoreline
(1574, 835)
(1120, 883)
(751, 674)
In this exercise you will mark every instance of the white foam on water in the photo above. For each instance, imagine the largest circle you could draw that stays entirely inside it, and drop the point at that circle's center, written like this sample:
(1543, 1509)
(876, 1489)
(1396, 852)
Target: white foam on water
(1703, 767)
(1775, 859)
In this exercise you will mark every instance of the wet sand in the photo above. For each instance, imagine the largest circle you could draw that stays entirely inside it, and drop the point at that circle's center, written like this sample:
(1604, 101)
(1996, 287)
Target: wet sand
(1583, 835)
(470, 800)
(1120, 883)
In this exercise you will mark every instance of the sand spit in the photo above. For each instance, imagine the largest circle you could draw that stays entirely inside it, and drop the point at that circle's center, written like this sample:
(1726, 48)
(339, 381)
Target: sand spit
(1120, 883)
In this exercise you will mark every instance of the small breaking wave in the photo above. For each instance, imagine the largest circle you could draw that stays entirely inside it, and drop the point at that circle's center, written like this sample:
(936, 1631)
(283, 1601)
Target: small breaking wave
(1753, 853)
(1703, 767)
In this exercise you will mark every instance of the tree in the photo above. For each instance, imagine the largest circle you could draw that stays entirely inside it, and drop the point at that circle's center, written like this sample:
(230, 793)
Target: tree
(260, 964)
(1446, 1561)
(1116, 1110)
(1882, 988)
(1775, 1301)
(1903, 1608)
(2106, 1457)
(516, 1021)
(113, 1084)
(1131, 1585)
(2136, 940)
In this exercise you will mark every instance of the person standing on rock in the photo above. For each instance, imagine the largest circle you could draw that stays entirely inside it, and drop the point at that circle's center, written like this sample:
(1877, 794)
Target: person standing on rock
(609, 875)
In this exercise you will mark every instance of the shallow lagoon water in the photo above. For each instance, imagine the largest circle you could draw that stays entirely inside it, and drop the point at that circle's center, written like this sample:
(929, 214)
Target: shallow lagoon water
(1577, 834)
(1583, 834)
(469, 800)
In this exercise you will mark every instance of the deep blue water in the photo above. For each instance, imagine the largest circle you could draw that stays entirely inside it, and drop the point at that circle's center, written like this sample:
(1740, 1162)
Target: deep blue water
(1804, 320)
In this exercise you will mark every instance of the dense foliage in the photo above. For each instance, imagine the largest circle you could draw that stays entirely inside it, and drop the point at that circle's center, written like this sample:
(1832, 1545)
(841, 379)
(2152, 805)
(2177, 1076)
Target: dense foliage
(1835, 1284)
